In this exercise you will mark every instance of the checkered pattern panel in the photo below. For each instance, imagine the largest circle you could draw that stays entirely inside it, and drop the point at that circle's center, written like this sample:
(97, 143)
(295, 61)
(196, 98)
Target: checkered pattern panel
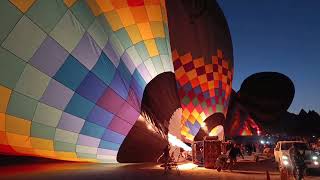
(204, 89)
(72, 74)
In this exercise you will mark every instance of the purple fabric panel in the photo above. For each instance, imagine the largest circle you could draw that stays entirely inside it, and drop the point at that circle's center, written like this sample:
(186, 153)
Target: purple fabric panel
(91, 87)
(57, 95)
(112, 136)
(110, 101)
(137, 90)
(107, 152)
(100, 116)
(118, 86)
(87, 51)
(88, 141)
(128, 113)
(133, 100)
(70, 123)
(112, 55)
(49, 57)
(120, 126)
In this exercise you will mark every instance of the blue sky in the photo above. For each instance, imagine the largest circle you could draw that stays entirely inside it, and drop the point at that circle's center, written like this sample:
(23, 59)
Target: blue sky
(281, 36)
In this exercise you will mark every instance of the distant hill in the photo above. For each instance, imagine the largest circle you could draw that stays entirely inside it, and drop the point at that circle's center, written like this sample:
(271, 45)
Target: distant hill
(304, 123)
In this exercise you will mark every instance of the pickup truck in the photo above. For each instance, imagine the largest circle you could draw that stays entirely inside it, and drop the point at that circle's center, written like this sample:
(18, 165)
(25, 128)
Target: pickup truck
(281, 154)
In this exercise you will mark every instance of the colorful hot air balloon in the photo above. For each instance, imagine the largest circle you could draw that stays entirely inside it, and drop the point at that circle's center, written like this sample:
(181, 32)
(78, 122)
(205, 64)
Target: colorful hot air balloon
(203, 60)
(73, 73)
(82, 80)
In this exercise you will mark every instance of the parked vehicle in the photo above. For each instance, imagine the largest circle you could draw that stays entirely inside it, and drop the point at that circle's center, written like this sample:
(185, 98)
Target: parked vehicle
(282, 156)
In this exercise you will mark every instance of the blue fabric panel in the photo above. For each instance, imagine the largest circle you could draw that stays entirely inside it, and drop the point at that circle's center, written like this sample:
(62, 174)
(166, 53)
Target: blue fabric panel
(71, 73)
(104, 69)
(93, 130)
(91, 87)
(79, 106)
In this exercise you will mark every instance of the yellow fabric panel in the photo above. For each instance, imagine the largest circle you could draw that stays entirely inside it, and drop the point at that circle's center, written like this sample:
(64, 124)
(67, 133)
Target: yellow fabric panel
(114, 20)
(192, 119)
(179, 72)
(94, 7)
(17, 125)
(126, 16)
(45, 153)
(203, 116)
(151, 47)
(183, 132)
(18, 140)
(23, 5)
(192, 74)
(70, 156)
(2, 122)
(190, 137)
(154, 12)
(186, 58)
(198, 62)
(44, 144)
(186, 114)
(134, 33)
(200, 120)
(202, 78)
(195, 113)
(145, 30)
(209, 68)
(105, 5)
(211, 84)
(4, 98)
(157, 29)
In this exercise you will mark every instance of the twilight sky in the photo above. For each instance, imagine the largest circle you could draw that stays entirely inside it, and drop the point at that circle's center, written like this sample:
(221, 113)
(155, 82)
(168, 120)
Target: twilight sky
(281, 36)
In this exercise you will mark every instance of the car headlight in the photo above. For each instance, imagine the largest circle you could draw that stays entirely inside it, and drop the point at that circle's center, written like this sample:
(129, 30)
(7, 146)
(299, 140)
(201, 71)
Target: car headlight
(316, 163)
(284, 157)
(314, 157)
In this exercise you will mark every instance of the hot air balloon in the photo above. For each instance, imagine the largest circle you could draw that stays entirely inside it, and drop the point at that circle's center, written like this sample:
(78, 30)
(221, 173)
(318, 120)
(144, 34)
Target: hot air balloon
(101, 81)
(257, 107)
(73, 74)
(203, 61)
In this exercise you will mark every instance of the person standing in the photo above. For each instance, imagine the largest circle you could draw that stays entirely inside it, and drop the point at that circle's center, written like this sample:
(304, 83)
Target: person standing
(234, 152)
(298, 163)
